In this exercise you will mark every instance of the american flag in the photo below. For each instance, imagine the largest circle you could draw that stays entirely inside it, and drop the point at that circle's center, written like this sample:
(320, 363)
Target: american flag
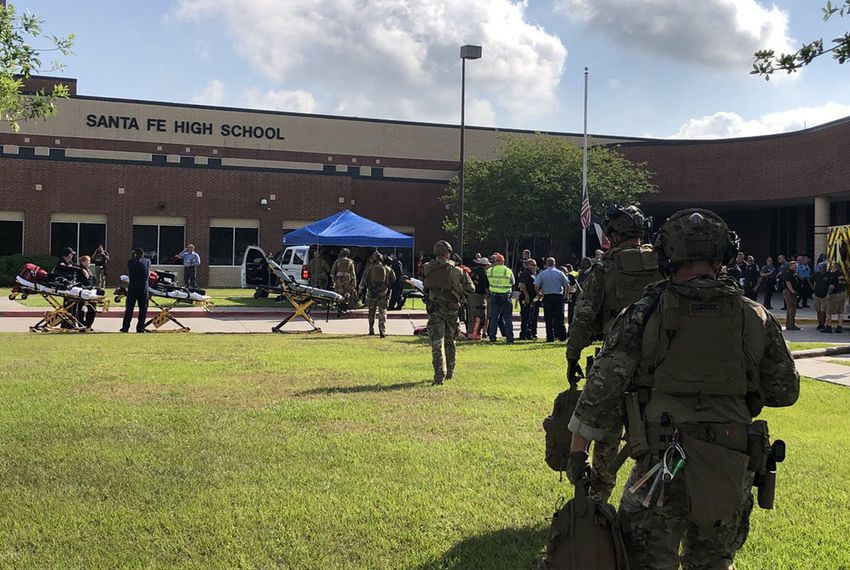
(585, 209)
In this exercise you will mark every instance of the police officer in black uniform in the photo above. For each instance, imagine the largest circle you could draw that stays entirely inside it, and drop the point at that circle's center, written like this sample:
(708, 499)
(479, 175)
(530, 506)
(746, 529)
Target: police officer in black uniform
(138, 269)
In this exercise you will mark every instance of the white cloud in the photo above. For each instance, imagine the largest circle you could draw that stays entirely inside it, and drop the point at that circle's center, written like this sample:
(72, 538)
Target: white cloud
(396, 58)
(716, 33)
(280, 100)
(216, 94)
(728, 125)
(480, 112)
(213, 94)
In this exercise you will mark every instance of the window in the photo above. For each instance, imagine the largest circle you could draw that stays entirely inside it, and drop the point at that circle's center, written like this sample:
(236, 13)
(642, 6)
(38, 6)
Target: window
(377, 172)
(160, 242)
(228, 245)
(158, 159)
(287, 256)
(84, 237)
(187, 160)
(297, 258)
(11, 237)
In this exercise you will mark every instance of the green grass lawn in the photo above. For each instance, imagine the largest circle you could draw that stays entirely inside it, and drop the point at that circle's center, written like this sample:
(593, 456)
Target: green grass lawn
(792, 346)
(259, 451)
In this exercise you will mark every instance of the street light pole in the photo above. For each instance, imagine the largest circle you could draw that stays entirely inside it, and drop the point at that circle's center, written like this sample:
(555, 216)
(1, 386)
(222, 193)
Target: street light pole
(466, 52)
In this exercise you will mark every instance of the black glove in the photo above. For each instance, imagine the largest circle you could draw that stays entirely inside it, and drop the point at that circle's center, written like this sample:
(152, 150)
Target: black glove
(574, 371)
(577, 467)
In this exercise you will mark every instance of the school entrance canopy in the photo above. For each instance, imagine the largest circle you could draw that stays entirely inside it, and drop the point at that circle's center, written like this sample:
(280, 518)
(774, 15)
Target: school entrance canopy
(347, 228)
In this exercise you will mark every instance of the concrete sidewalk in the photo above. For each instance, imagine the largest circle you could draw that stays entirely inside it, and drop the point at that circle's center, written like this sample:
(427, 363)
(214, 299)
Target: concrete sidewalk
(213, 323)
(805, 317)
(826, 369)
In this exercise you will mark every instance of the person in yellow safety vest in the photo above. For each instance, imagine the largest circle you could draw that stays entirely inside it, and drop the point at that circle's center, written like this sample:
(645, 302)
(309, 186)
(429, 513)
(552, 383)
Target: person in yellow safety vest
(501, 283)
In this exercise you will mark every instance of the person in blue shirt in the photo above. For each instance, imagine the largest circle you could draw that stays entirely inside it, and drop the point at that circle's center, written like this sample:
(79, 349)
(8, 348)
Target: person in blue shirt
(553, 284)
(804, 272)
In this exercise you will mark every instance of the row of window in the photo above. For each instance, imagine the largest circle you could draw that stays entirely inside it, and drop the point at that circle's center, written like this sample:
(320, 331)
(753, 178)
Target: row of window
(161, 243)
(376, 172)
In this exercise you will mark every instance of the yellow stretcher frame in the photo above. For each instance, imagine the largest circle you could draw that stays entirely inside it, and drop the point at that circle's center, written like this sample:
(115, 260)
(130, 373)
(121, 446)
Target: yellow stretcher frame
(302, 305)
(164, 315)
(53, 319)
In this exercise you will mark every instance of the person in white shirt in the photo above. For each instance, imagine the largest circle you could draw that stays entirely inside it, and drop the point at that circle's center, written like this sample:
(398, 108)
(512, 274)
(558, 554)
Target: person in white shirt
(191, 261)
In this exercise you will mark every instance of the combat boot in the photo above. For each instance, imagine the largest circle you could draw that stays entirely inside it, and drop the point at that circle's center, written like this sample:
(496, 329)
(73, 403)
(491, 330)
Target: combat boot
(826, 329)
(437, 382)
(449, 374)
(371, 332)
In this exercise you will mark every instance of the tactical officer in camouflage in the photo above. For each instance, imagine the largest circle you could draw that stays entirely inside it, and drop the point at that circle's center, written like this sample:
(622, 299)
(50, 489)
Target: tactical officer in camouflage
(687, 368)
(612, 284)
(344, 277)
(445, 288)
(376, 282)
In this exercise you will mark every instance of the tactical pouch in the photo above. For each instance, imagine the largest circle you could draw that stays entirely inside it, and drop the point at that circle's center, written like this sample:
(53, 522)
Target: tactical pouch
(636, 436)
(584, 535)
(714, 477)
(758, 446)
(558, 435)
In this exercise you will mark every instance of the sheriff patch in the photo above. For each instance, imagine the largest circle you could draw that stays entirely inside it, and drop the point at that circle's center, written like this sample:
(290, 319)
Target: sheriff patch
(704, 309)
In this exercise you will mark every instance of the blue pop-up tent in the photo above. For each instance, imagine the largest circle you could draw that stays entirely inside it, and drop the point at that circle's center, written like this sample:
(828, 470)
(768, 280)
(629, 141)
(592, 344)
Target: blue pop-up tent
(347, 228)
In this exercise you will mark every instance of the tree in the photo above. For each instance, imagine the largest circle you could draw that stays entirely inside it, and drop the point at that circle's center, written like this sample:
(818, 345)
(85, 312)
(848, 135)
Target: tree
(534, 190)
(19, 60)
(767, 62)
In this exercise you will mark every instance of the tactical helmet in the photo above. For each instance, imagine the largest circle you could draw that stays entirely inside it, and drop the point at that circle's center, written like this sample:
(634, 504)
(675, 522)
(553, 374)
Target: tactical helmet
(344, 252)
(696, 234)
(627, 221)
(377, 257)
(442, 247)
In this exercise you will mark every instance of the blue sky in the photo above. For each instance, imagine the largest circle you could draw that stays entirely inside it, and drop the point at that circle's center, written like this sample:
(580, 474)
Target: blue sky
(662, 68)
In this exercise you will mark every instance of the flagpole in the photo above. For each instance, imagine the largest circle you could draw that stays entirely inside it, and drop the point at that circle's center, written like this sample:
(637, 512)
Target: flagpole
(584, 167)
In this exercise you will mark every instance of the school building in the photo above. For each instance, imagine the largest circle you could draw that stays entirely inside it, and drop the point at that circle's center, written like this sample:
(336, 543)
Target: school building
(129, 173)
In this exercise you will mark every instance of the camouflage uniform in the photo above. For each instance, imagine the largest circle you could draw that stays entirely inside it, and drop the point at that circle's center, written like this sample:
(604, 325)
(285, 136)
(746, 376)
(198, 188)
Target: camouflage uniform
(376, 281)
(345, 279)
(443, 309)
(318, 272)
(589, 323)
(652, 536)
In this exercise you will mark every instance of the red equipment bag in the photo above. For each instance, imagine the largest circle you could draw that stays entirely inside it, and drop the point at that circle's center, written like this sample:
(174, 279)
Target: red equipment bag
(32, 272)
(152, 278)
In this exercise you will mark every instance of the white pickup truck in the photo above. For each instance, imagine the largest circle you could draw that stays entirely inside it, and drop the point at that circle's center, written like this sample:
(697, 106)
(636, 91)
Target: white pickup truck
(255, 270)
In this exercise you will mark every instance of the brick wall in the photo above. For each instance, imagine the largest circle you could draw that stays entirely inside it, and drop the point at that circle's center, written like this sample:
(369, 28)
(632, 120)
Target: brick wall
(92, 188)
(792, 167)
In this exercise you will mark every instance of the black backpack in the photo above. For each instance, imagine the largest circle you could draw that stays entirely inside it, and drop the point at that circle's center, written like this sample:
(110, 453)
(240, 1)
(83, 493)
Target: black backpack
(558, 435)
(585, 536)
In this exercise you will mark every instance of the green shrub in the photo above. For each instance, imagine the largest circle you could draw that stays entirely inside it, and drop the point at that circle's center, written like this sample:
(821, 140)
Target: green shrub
(11, 265)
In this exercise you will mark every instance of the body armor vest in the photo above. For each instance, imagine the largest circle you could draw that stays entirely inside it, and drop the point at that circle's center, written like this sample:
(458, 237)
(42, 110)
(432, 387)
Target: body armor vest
(344, 265)
(438, 275)
(378, 278)
(626, 276)
(695, 346)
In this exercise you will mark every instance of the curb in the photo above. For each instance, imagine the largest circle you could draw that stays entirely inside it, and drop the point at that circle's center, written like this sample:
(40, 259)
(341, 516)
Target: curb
(816, 352)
